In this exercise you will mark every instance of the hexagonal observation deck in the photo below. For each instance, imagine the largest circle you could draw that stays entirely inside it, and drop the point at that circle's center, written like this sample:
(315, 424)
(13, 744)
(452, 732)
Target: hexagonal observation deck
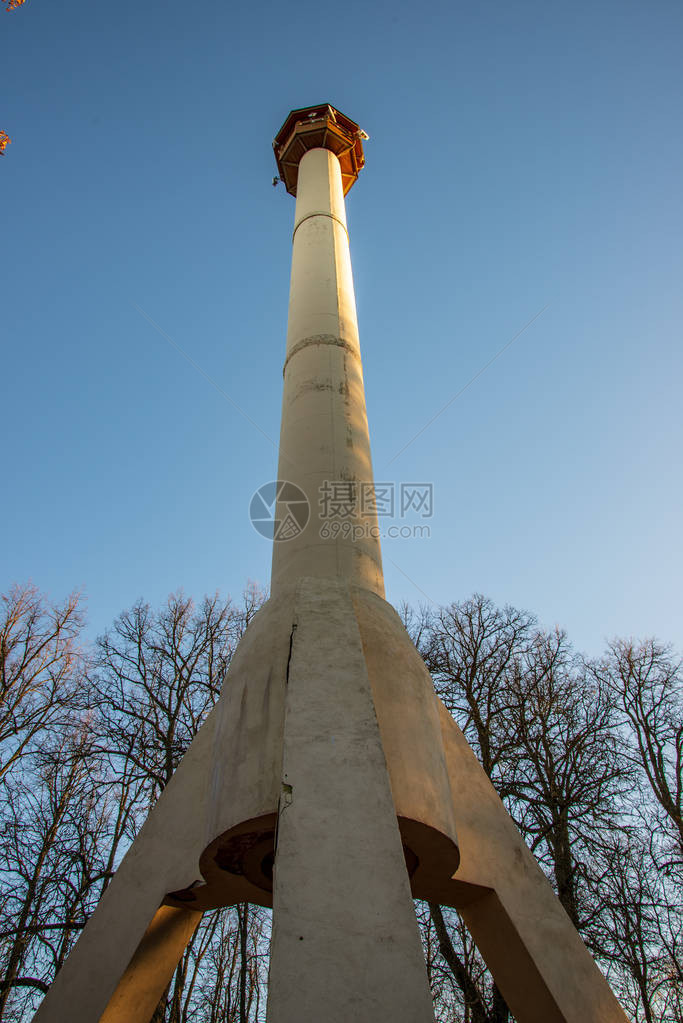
(321, 127)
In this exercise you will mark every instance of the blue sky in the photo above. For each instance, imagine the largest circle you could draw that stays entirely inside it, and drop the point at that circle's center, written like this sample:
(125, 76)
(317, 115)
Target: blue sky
(522, 156)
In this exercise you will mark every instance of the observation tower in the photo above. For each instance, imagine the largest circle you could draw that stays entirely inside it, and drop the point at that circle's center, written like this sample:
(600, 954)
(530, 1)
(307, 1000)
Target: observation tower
(329, 781)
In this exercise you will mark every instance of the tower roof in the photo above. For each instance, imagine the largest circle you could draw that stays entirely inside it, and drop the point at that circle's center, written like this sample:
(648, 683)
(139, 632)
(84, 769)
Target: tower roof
(320, 127)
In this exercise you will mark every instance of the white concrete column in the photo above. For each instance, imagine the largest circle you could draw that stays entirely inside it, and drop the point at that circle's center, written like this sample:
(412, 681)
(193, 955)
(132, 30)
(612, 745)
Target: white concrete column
(345, 944)
(324, 434)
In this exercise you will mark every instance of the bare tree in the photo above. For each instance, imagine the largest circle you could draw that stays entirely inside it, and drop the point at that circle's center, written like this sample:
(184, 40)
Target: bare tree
(640, 937)
(89, 747)
(482, 1002)
(53, 862)
(566, 777)
(39, 669)
(472, 650)
(231, 988)
(545, 731)
(647, 679)
(587, 756)
(155, 677)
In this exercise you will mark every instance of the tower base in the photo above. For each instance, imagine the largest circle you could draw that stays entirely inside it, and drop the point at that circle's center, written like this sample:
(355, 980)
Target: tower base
(329, 754)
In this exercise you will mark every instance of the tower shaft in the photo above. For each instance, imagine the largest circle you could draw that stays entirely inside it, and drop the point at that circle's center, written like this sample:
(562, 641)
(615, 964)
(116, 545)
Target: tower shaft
(339, 855)
(324, 441)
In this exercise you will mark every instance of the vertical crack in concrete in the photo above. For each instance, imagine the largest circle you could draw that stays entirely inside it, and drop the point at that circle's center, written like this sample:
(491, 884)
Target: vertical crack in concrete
(289, 655)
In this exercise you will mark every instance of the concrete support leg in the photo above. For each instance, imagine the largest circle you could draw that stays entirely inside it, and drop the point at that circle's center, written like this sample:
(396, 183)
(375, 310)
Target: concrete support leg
(345, 943)
(228, 778)
(536, 956)
(129, 948)
(82, 997)
(151, 968)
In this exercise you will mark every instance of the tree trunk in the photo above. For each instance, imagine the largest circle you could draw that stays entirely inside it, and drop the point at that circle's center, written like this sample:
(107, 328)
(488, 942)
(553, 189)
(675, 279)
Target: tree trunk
(473, 999)
(243, 919)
